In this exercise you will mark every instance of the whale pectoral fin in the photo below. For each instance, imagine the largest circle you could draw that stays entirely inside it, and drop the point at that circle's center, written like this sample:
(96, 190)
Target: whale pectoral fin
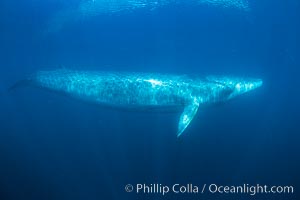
(186, 117)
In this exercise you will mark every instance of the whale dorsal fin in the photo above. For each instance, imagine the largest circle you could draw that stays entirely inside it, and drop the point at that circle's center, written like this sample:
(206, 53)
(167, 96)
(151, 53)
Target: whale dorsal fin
(187, 116)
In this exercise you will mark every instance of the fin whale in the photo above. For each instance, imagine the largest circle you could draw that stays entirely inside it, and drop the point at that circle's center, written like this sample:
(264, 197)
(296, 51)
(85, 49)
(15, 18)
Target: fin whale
(142, 91)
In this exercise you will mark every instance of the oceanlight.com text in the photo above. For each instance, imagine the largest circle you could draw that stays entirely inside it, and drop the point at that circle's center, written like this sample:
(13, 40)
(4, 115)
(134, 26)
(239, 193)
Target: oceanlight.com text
(247, 189)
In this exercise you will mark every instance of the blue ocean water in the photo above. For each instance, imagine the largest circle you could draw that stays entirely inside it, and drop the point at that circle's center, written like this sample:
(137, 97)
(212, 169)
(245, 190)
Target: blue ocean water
(54, 147)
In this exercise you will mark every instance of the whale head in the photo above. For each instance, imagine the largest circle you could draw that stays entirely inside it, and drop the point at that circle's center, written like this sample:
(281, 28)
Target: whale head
(237, 86)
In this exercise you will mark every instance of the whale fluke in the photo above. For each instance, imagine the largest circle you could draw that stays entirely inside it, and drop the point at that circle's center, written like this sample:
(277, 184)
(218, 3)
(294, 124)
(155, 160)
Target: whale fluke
(20, 84)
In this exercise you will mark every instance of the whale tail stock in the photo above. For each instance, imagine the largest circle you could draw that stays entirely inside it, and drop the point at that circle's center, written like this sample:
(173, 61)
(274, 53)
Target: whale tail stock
(19, 84)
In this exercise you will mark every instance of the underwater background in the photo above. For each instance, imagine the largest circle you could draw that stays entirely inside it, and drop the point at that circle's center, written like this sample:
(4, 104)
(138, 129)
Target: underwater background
(53, 147)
